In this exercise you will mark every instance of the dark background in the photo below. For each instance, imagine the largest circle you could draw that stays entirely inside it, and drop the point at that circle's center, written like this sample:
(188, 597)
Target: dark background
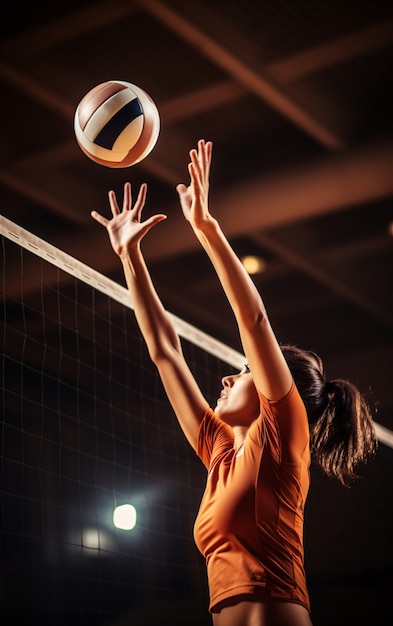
(297, 97)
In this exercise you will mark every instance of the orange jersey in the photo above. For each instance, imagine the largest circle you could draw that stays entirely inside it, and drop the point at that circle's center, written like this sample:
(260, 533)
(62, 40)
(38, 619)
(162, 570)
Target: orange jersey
(250, 522)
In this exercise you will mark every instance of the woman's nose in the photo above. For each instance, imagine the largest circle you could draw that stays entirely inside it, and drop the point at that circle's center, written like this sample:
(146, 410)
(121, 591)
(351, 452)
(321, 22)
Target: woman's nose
(227, 381)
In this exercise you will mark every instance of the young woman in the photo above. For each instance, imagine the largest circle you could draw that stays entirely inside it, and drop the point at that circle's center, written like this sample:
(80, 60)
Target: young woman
(256, 443)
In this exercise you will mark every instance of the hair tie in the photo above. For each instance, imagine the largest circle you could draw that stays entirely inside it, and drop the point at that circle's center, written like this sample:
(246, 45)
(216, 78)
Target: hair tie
(329, 387)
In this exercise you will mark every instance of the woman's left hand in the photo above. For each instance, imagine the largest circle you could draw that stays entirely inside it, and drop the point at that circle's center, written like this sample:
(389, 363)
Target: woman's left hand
(194, 198)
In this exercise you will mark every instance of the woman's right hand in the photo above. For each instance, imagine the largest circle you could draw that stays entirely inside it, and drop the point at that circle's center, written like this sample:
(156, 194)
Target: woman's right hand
(125, 229)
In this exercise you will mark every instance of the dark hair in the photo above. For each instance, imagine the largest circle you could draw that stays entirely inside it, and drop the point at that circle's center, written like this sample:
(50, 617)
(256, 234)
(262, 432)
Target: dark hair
(342, 432)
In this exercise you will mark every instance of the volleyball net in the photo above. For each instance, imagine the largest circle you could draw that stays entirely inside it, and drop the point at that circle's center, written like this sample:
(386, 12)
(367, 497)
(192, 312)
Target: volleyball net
(86, 429)
(87, 434)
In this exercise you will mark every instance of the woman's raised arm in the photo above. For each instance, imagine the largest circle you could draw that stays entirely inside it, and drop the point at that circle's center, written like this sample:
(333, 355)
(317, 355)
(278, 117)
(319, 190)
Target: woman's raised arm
(270, 372)
(126, 231)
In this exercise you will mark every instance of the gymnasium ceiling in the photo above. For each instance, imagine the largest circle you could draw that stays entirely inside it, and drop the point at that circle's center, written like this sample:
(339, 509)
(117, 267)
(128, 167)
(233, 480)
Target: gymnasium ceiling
(297, 98)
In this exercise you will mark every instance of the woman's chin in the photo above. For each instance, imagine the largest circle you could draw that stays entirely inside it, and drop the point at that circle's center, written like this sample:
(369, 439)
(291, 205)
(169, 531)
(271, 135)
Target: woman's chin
(218, 409)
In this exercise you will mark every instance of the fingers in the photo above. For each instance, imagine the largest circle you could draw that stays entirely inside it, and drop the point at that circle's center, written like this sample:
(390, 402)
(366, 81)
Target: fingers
(196, 173)
(127, 200)
(99, 218)
(183, 192)
(127, 197)
(181, 189)
(205, 151)
(153, 221)
(149, 224)
(140, 201)
(194, 170)
(208, 157)
(201, 160)
(113, 203)
(199, 168)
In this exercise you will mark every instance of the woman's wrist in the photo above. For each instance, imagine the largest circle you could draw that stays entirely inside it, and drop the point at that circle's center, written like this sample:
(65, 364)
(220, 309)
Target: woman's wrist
(129, 250)
(206, 226)
(209, 234)
(124, 254)
(129, 256)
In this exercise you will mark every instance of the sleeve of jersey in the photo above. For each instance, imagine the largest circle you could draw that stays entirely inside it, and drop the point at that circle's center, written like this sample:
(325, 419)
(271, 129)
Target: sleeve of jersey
(215, 437)
(285, 420)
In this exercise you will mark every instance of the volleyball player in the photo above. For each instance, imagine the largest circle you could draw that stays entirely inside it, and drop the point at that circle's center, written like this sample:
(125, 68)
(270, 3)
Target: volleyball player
(257, 442)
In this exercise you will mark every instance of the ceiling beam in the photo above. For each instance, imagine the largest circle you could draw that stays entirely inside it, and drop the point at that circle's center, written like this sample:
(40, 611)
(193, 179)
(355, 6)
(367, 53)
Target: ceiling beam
(311, 268)
(321, 187)
(185, 106)
(242, 72)
(330, 53)
(282, 71)
(37, 91)
(172, 111)
(333, 183)
(196, 102)
(74, 24)
(41, 197)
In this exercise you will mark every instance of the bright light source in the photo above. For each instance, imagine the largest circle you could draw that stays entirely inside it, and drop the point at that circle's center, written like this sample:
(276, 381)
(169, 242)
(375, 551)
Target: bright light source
(124, 517)
(94, 540)
(253, 264)
(91, 538)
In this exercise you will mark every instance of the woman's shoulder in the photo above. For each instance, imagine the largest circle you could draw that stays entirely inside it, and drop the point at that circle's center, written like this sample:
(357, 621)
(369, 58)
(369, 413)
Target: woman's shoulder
(215, 437)
(291, 401)
(285, 423)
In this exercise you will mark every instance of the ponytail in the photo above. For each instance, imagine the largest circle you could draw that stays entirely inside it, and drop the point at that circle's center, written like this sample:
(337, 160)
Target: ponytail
(343, 437)
(341, 426)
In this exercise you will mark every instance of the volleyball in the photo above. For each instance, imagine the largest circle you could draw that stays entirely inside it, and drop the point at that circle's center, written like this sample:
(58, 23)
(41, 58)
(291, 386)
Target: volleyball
(116, 124)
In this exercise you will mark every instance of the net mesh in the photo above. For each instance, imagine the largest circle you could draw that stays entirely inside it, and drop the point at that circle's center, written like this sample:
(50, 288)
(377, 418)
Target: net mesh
(86, 427)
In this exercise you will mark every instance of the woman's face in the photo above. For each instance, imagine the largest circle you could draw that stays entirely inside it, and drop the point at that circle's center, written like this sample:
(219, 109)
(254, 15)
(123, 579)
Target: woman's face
(238, 404)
